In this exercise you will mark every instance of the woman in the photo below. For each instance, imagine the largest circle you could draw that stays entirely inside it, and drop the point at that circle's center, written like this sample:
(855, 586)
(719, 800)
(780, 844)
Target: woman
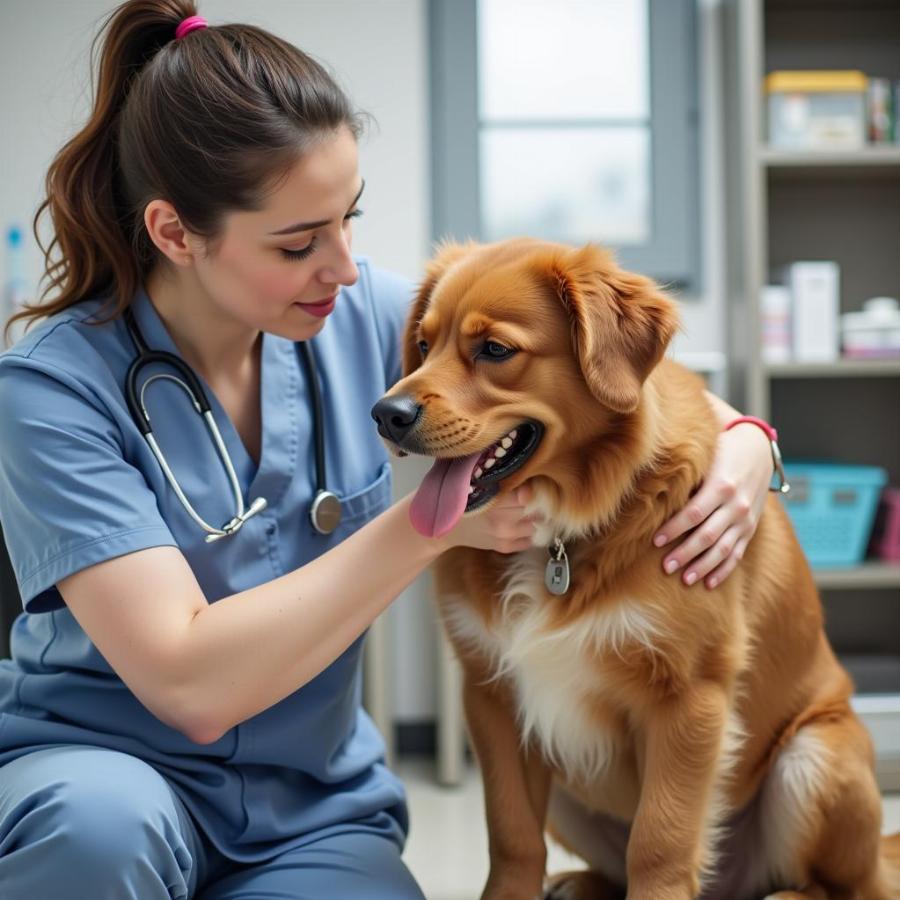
(181, 717)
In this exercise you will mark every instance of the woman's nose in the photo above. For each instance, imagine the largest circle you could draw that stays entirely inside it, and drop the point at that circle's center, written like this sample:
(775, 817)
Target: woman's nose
(340, 269)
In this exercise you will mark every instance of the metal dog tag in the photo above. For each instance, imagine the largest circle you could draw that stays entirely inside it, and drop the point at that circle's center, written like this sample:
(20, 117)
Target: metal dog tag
(556, 575)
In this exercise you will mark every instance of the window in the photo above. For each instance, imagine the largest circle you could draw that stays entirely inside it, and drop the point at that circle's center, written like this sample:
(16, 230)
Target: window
(572, 120)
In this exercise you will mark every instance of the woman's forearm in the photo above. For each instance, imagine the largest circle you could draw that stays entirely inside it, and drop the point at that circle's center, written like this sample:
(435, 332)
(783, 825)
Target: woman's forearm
(272, 639)
(723, 412)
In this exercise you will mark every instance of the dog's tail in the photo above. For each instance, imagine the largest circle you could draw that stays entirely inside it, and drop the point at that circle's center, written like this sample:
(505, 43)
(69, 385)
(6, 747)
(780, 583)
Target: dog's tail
(888, 878)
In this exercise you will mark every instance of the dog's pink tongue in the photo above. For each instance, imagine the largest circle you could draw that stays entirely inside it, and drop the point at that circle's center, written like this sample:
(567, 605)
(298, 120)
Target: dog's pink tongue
(441, 499)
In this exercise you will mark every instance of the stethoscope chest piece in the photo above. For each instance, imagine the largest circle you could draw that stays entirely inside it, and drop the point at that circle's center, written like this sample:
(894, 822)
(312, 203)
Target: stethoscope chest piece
(325, 512)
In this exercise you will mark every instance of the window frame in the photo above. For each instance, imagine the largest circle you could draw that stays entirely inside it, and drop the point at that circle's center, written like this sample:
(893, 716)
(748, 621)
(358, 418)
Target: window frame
(672, 254)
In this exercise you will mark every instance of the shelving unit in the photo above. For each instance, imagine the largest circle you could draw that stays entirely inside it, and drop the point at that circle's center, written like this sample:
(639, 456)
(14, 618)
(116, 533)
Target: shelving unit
(842, 205)
(870, 574)
(878, 160)
(845, 368)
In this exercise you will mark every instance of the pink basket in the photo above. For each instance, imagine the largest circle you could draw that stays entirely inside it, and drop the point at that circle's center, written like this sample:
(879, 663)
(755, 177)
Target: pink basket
(886, 531)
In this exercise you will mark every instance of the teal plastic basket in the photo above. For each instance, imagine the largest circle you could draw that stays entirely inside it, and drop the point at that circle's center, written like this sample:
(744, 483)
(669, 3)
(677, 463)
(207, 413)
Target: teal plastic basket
(832, 507)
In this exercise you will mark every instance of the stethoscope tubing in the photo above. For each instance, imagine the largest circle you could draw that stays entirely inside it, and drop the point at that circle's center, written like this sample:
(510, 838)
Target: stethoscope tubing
(309, 365)
(191, 385)
(325, 511)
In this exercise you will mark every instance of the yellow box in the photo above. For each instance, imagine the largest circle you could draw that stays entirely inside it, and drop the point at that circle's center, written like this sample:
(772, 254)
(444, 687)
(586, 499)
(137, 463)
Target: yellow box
(817, 81)
(816, 109)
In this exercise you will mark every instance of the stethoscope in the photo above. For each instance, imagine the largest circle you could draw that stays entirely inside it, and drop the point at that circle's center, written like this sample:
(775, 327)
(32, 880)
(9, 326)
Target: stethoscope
(325, 509)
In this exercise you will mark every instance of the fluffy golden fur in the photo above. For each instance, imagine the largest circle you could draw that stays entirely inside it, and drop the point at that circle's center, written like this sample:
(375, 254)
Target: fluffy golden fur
(639, 720)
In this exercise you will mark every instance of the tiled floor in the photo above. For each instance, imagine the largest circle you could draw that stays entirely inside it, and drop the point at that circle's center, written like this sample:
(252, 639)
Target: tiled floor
(447, 849)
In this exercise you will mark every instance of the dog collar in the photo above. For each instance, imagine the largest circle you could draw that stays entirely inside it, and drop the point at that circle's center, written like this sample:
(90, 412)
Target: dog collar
(556, 574)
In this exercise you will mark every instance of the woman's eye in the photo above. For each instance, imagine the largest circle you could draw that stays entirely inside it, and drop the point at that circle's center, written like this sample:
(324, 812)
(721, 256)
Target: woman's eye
(302, 253)
(423, 348)
(493, 350)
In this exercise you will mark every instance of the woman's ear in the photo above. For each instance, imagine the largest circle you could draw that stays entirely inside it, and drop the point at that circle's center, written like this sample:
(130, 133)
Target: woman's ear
(164, 227)
(446, 255)
(622, 324)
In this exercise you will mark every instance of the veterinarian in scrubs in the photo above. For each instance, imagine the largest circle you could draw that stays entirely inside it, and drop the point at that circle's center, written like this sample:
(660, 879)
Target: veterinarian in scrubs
(181, 716)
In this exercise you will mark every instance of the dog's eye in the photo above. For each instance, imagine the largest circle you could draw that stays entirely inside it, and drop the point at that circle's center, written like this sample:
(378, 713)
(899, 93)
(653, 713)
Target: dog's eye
(493, 350)
(423, 348)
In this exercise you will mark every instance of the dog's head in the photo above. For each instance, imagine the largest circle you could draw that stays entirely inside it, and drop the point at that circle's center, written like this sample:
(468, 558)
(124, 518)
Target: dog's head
(515, 355)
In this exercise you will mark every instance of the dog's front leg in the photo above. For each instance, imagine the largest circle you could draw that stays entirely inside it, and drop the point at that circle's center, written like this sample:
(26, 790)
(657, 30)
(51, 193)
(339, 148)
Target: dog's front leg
(682, 761)
(516, 788)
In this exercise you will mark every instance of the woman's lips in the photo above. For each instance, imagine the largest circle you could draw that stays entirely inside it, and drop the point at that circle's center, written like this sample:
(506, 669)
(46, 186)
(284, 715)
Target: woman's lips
(320, 308)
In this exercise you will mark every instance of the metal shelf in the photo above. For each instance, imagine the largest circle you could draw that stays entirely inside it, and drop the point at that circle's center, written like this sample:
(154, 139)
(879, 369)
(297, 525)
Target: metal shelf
(872, 575)
(881, 715)
(843, 368)
(866, 160)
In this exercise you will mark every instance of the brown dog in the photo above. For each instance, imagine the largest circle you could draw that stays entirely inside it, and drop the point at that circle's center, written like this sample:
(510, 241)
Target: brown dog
(681, 740)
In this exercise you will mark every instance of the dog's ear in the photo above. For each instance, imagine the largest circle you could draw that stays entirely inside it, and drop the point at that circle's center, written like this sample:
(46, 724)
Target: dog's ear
(621, 324)
(446, 255)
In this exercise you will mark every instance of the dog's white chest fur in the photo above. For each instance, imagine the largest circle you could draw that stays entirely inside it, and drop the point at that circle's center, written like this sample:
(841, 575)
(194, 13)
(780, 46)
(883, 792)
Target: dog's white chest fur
(554, 670)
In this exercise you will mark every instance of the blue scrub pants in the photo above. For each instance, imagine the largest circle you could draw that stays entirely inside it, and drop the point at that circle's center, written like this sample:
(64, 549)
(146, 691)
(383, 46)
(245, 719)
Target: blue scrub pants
(79, 822)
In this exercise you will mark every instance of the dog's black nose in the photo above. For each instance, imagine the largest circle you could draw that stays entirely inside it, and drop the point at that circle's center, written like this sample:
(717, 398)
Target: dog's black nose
(396, 416)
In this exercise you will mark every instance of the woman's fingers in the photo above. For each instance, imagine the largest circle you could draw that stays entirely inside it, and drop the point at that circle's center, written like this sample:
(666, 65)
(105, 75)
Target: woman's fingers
(712, 495)
(524, 494)
(518, 499)
(505, 526)
(718, 554)
(723, 571)
(700, 540)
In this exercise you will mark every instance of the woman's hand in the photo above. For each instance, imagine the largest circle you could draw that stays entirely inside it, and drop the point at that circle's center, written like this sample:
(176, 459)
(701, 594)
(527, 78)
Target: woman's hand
(722, 516)
(504, 527)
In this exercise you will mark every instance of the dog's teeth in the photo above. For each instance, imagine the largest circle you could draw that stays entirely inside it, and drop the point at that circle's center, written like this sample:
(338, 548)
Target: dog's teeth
(500, 452)
(479, 472)
(471, 488)
(489, 462)
(506, 443)
(513, 434)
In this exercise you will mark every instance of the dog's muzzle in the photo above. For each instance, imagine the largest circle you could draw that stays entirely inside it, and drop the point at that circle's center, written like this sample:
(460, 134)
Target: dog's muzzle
(396, 417)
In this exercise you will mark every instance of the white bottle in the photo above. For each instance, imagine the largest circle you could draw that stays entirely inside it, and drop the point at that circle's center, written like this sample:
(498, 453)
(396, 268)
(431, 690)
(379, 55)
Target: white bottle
(815, 295)
(775, 316)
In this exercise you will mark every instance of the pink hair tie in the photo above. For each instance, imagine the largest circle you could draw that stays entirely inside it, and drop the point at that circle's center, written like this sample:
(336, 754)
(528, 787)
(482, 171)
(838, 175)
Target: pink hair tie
(191, 23)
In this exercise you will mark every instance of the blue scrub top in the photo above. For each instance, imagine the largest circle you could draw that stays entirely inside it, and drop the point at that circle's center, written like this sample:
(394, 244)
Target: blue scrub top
(79, 485)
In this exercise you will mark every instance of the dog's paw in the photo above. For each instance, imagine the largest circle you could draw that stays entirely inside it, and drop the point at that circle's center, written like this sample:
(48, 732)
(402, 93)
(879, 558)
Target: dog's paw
(810, 893)
(580, 885)
(565, 888)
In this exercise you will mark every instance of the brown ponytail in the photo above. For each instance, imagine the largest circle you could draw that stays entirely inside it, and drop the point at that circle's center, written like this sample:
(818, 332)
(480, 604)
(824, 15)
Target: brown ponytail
(208, 123)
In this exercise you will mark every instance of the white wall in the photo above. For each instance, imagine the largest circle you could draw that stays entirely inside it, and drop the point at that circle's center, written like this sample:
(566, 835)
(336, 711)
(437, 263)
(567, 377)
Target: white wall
(378, 50)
